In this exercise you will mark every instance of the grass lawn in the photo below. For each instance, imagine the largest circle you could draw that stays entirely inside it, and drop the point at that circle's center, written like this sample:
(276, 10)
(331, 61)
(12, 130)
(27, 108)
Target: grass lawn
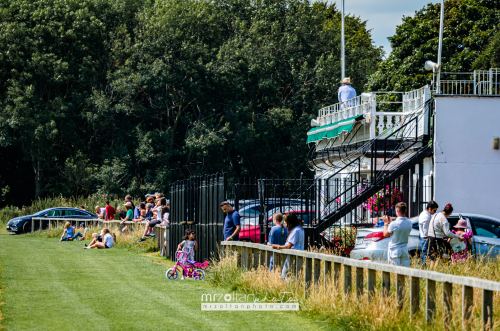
(48, 285)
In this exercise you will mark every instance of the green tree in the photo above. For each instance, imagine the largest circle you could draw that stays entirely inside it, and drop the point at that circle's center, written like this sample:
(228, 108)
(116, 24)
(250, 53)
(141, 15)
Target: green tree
(468, 25)
(52, 53)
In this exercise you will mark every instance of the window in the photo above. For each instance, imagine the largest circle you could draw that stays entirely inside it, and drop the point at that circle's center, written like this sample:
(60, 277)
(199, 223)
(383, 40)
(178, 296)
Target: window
(487, 229)
(54, 213)
(69, 213)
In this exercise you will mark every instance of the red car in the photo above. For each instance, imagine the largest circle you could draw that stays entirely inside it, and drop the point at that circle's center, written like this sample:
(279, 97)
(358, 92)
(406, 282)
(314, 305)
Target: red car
(251, 233)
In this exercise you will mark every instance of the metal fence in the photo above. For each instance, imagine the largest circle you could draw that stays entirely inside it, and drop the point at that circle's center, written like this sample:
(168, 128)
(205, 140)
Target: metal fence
(312, 267)
(195, 205)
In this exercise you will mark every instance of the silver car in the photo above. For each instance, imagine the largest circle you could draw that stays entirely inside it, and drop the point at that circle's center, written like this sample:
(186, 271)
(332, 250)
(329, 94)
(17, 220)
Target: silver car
(371, 244)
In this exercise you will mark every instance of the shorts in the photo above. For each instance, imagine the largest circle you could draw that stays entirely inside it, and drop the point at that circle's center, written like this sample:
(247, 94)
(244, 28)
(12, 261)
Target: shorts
(399, 257)
(153, 223)
(106, 246)
(99, 239)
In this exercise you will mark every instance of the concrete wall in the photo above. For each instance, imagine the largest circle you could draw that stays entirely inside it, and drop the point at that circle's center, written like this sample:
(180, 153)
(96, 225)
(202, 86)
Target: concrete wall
(466, 167)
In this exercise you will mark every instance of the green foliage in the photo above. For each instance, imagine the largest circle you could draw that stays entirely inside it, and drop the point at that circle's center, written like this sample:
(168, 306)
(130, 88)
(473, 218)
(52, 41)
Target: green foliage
(468, 25)
(490, 57)
(117, 96)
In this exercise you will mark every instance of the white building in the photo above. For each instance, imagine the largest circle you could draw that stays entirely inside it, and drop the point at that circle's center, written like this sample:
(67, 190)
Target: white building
(423, 144)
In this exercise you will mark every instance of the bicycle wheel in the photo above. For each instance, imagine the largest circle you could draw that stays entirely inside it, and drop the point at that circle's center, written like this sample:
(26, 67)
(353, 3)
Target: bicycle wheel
(172, 274)
(199, 274)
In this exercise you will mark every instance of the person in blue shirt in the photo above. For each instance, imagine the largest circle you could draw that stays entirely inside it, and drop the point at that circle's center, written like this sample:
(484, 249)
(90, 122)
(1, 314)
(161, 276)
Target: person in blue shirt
(69, 233)
(295, 240)
(277, 235)
(232, 225)
(346, 92)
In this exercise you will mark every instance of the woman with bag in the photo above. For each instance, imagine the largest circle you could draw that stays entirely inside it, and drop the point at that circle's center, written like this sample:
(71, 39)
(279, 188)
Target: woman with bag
(438, 228)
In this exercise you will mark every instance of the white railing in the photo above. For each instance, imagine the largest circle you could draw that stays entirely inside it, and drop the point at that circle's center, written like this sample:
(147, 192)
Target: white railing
(483, 82)
(343, 110)
(312, 268)
(378, 122)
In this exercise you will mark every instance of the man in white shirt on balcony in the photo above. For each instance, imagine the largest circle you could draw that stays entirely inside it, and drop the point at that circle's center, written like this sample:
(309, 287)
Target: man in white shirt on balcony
(346, 92)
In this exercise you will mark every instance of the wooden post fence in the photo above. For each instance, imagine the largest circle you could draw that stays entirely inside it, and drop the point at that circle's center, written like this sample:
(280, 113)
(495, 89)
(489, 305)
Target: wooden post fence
(307, 265)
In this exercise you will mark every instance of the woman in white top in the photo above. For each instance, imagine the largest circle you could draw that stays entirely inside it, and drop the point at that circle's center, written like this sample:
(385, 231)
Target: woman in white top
(107, 242)
(438, 228)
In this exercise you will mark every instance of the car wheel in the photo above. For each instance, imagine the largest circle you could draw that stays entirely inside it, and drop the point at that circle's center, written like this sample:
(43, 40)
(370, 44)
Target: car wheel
(26, 227)
(415, 253)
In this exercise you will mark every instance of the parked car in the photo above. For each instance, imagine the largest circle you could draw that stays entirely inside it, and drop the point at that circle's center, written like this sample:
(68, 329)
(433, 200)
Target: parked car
(371, 244)
(22, 224)
(249, 212)
(251, 233)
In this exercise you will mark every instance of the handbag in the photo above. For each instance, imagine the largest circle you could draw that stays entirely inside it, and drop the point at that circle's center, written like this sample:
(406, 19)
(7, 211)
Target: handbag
(456, 245)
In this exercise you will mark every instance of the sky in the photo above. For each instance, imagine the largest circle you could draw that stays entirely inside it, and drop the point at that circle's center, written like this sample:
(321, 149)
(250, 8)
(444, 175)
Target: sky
(383, 15)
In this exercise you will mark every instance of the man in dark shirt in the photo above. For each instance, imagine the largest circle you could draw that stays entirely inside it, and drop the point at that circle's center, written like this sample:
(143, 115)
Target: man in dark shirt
(232, 225)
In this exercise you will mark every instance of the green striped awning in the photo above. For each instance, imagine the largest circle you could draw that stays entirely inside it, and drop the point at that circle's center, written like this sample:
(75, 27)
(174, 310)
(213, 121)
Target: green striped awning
(331, 130)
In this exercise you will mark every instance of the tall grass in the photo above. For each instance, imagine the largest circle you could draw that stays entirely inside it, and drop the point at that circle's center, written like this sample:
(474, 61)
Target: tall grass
(327, 303)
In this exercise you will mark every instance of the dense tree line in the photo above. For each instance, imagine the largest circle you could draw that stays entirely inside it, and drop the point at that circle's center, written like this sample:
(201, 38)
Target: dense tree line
(118, 95)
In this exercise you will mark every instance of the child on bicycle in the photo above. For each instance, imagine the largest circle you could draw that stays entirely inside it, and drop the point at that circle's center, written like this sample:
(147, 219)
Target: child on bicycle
(189, 246)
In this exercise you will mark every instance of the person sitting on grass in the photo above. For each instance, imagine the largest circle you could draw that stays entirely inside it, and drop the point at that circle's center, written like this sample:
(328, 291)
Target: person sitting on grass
(69, 233)
(108, 240)
(95, 238)
(128, 217)
(85, 229)
(188, 246)
(153, 223)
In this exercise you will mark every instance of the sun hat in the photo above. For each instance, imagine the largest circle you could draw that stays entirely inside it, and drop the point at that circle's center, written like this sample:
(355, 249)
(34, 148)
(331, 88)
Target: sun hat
(462, 224)
(346, 80)
(82, 224)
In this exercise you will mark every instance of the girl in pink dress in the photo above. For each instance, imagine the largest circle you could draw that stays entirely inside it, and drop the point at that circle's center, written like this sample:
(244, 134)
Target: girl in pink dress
(461, 256)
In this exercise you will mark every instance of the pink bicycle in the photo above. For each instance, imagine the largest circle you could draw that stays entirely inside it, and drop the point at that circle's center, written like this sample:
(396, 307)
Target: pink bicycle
(193, 269)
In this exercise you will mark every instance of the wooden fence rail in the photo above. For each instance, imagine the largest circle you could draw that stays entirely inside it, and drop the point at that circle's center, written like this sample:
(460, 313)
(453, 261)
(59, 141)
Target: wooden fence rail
(308, 263)
(161, 232)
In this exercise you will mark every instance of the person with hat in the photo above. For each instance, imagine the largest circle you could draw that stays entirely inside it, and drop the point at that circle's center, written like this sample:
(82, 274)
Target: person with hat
(129, 216)
(461, 248)
(346, 91)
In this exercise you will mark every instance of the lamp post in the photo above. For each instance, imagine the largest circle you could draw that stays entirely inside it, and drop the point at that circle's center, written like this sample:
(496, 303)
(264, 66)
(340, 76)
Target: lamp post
(342, 45)
(440, 47)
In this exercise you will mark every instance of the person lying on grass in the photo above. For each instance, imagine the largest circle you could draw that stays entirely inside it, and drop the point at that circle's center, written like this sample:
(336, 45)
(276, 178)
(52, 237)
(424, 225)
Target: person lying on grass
(69, 233)
(108, 240)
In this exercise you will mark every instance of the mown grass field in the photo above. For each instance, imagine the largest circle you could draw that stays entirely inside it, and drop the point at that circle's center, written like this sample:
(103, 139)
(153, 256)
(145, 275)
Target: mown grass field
(51, 285)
